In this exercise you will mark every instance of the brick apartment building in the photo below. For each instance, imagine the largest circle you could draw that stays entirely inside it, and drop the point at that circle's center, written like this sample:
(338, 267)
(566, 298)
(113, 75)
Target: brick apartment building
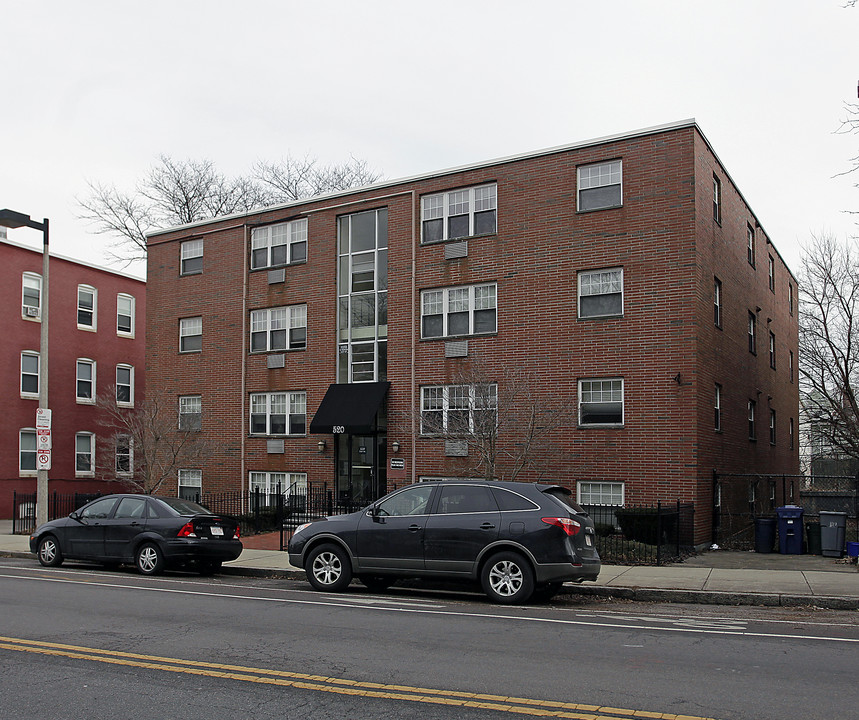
(324, 341)
(96, 341)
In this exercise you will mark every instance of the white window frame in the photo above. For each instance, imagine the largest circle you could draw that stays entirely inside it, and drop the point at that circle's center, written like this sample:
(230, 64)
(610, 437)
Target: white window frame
(30, 433)
(267, 482)
(772, 350)
(90, 454)
(291, 404)
(92, 365)
(190, 327)
(608, 494)
(750, 244)
(31, 281)
(609, 389)
(189, 407)
(771, 272)
(268, 321)
(717, 414)
(38, 374)
(93, 293)
(717, 199)
(753, 430)
(469, 201)
(773, 434)
(189, 251)
(717, 302)
(129, 455)
(190, 478)
(753, 333)
(470, 299)
(290, 235)
(120, 298)
(595, 283)
(130, 385)
(445, 399)
(604, 174)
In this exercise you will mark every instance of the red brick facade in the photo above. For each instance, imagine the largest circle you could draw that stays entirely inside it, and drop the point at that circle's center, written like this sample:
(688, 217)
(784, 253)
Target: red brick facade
(664, 346)
(68, 341)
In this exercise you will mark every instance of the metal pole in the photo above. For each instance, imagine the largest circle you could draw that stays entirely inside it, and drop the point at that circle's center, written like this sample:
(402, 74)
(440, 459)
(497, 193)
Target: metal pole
(42, 475)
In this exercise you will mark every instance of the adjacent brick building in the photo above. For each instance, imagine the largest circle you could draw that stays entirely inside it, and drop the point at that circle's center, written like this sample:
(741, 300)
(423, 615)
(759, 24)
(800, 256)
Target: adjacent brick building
(627, 274)
(96, 341)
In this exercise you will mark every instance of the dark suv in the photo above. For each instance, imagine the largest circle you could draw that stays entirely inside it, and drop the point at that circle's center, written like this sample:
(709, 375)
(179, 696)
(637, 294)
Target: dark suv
(515, 538)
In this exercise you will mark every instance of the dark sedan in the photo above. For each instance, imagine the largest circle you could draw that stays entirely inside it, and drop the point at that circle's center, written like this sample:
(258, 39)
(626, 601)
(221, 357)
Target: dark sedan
(517, 539)
(150, 532)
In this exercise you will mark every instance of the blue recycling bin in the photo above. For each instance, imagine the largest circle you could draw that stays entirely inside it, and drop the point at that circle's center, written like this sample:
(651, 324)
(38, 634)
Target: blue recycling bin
(790, 529)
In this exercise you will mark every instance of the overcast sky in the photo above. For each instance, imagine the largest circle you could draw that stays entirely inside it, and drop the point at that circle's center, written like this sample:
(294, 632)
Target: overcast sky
(96, 90)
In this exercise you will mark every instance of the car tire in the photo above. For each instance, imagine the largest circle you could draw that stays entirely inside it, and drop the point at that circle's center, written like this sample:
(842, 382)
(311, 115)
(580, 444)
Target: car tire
(49, 552)
(507, 578)
(149, 559)
(209, 567)
(376, 583)
(328, 568)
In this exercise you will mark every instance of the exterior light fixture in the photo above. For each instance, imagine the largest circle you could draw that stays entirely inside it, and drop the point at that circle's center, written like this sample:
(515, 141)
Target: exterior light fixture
(321, 445)
(395, 446)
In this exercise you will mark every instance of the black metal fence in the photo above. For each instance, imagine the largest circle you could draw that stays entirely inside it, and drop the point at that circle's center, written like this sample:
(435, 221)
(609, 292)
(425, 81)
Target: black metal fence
(742, 498)
(59, 505)
(643, 535)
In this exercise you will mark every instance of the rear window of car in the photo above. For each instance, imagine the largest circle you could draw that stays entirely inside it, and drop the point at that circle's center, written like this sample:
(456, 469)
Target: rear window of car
(508, 500)
(565, 497)
(181, 507)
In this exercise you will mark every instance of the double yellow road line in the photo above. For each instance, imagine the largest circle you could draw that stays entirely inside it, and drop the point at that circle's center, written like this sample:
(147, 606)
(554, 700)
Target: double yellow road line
(340, 686)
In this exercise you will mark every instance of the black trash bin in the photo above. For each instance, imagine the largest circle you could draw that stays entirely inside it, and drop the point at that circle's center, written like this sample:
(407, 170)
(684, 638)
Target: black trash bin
(764, 534)
(812, 538)
(832, 530)
(790, 529)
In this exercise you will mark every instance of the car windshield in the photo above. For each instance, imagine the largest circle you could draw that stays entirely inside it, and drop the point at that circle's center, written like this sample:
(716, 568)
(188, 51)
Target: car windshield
(565, 497)
(183, 507)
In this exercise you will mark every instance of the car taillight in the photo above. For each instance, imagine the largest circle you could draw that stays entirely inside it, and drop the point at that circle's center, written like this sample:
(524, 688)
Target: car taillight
(238, 533)
(568, 525)
(187, 530)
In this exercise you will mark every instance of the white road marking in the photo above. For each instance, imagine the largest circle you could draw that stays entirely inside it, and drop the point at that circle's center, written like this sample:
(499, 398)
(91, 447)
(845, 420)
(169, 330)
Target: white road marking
(354, 603)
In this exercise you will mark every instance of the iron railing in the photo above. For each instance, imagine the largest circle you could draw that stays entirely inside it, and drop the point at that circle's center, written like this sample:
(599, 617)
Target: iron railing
(59, 505)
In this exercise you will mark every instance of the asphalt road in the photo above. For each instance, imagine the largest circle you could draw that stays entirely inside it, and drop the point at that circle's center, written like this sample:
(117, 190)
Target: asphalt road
(79, 642)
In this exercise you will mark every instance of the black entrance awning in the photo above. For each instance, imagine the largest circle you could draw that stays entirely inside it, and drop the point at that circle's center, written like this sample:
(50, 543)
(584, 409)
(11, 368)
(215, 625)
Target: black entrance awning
(352, 407)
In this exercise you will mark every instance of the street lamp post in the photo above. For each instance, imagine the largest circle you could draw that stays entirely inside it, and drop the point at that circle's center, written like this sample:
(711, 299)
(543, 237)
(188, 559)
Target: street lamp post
(12, 219)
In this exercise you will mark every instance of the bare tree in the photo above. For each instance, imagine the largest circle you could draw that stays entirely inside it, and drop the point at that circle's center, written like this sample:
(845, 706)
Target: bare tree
(506, 420)
(142, 446)
(829, 344)
(293, 179)
(177, 192)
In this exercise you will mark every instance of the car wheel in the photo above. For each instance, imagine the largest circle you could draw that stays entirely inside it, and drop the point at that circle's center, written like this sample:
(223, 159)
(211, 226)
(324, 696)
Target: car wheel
(150, 559)
(49, 552)
(209, 567)
(328, 568)
(507, 578)
(377, 583)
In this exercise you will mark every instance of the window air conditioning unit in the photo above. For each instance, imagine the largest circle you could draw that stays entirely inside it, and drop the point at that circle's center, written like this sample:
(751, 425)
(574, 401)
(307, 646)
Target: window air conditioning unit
(31, 311)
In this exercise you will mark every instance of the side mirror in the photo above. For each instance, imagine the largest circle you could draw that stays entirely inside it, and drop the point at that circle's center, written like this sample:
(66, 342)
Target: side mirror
(375, 513)
(75, 515)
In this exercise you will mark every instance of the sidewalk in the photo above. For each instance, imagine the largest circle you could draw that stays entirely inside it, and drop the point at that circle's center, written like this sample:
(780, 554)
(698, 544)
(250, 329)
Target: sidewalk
(718, 577)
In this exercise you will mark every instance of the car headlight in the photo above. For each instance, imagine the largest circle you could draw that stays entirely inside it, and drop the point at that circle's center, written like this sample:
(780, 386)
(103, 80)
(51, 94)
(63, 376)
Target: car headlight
(300, 528)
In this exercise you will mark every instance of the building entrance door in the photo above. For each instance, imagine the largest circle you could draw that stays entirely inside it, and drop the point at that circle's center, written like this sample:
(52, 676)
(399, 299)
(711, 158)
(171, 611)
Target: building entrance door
(360, 463)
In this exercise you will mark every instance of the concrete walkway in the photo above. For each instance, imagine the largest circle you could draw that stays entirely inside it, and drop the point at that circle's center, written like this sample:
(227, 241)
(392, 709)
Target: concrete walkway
(717, 577)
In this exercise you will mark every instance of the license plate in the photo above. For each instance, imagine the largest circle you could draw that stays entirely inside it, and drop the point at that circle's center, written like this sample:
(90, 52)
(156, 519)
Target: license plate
(217, 531)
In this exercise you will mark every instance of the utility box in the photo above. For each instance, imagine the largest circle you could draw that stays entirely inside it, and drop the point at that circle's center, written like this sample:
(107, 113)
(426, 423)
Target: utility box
(790, 529)
(832, 530)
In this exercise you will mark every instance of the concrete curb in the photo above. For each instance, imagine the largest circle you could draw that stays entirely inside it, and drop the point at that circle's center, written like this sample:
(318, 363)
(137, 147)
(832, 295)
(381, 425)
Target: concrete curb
(710, 597)
(636, 594)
